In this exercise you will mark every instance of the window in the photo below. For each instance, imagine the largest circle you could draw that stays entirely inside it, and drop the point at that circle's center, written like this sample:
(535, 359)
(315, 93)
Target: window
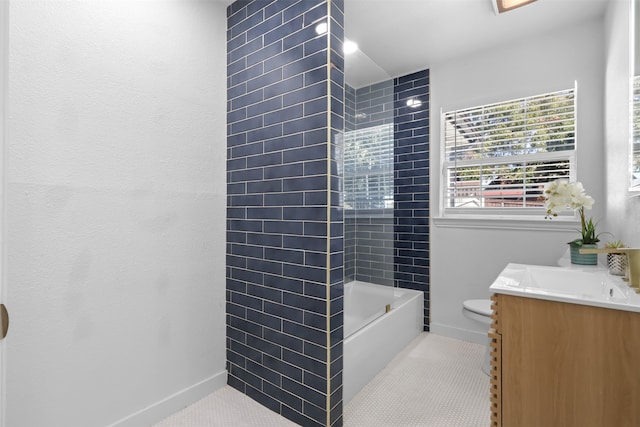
(498, 157)
(368, 168)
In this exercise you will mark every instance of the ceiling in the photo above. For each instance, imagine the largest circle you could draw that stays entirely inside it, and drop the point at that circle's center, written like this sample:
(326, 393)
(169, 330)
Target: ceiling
(398, 37)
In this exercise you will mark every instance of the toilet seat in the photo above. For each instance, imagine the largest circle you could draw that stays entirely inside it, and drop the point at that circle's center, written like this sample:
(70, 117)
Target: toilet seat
(478, 306)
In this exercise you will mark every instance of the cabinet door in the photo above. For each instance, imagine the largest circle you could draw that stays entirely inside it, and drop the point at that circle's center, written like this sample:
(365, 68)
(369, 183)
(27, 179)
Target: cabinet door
(568, 364)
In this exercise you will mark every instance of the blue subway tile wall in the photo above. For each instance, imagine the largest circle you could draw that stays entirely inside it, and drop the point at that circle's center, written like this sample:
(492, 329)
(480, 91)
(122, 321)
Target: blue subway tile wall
(284, 223)
(411, 182)
(375, 105)
(336, 230)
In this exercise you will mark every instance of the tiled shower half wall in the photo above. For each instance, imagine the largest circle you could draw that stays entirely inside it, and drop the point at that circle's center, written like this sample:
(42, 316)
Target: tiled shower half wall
(285, 92)
(386, 191)
(286, 239)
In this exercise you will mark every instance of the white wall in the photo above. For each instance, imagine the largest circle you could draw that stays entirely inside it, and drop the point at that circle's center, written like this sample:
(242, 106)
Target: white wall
(623, 212)
(115, 198)
(466, 260)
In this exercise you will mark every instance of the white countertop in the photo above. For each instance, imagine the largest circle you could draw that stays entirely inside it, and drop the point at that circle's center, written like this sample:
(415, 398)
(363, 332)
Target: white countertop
(573, 284)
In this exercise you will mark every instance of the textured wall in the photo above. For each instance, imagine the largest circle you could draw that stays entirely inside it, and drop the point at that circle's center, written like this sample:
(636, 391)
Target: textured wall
(623, 212)
(467, 256)
(284, 230)
(115, 210)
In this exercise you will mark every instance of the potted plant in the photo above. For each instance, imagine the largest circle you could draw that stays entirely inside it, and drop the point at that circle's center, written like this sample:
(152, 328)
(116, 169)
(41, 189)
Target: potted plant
(616, 261)
(560, 195)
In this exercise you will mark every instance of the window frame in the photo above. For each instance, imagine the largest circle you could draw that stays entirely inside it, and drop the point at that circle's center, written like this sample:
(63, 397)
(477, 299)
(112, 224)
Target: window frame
(509, 217)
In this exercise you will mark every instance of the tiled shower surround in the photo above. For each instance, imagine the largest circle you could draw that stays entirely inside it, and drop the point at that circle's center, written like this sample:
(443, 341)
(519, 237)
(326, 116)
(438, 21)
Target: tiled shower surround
(285, 117)
(411, 184)
(284, 224)
(391, 246)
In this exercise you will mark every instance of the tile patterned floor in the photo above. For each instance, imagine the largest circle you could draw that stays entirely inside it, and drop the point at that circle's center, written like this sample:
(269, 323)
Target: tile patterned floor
(434, 382)
(226, 407)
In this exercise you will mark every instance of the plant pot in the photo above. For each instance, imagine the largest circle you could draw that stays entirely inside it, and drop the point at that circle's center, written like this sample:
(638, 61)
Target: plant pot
(617, 264)
(583, 259)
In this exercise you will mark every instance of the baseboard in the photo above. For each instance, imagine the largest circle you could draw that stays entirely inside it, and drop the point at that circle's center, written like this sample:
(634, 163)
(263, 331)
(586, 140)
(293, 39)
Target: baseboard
(172, 404)
(461, 334)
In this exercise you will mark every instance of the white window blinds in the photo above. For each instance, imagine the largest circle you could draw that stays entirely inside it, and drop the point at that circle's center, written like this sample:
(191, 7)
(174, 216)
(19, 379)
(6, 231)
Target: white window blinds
(498, 157)
(635, 150)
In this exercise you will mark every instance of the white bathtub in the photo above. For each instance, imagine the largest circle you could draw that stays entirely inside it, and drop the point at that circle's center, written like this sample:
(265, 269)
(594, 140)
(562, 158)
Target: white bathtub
(373, 337)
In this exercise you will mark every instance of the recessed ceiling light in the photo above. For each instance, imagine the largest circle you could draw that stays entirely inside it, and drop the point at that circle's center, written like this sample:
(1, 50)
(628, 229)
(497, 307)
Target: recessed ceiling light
(413, 102)
(321, 28)
(507, 5)
(349, 47)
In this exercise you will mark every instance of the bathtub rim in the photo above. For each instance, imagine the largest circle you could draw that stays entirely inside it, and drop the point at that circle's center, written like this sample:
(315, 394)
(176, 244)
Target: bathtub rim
(401, 297)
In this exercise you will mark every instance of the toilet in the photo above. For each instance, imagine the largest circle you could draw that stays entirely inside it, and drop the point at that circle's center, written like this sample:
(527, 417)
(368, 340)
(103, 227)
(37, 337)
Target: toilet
(480, 311)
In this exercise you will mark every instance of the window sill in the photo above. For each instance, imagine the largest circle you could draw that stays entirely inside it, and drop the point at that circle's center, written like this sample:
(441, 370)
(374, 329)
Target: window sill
(525, 223)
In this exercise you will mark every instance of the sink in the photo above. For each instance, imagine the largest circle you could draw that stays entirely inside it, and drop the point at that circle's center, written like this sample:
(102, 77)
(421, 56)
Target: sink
(582, 284)
(586, 286)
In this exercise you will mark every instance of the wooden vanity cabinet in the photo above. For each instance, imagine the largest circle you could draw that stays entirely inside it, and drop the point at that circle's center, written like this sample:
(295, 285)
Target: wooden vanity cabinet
(565, 365)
